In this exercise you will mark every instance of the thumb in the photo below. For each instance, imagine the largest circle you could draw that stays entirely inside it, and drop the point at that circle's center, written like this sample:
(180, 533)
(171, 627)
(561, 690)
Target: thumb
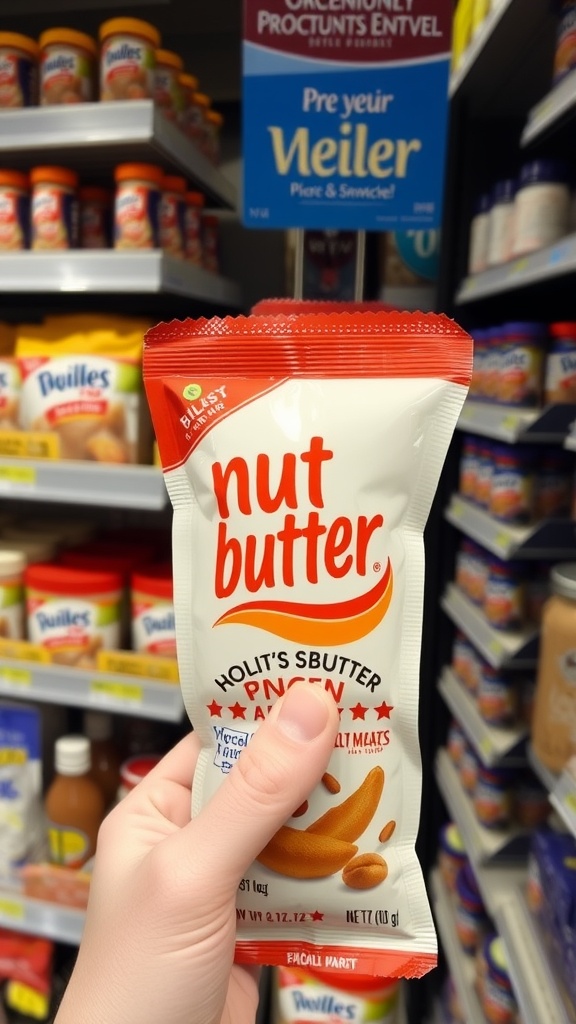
(275, 773)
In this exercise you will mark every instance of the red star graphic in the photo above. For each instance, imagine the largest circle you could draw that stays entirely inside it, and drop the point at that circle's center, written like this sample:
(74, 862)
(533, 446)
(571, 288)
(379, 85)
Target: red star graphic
(358, 711)
(340, 710)
(237, 710)
(383, 710)
(214, 709)
(316, 916)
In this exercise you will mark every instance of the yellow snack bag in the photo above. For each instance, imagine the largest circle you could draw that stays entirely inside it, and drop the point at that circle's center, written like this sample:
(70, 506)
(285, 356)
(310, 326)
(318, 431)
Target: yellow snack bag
(82, 378)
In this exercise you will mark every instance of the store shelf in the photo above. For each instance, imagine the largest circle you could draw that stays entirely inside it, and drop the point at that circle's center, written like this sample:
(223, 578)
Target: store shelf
(119, 694)
(501, 650)
(511, 424)
(570, 442)
(83, 483)
(531, 974)
(461, 966)
(555, 108)
(94, 137)
(36, 917)
(490, 743)
(482, 844)
(562, 790)
(547, 264)
(105, 271)
(553, 538)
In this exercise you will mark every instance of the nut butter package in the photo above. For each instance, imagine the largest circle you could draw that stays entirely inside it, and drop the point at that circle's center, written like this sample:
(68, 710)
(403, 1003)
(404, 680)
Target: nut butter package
(301, 454)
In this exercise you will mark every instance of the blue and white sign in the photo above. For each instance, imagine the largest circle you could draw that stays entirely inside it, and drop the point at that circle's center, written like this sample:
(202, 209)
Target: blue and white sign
(345, 108)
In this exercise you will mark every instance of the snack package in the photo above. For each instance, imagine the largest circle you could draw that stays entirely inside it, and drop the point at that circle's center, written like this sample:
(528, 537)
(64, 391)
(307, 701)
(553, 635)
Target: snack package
(9, 380)
(301, 455)
(81, 377)
(20, 783)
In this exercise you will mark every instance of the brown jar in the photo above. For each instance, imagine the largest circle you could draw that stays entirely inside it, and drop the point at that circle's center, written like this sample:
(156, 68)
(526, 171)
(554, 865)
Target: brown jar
(554, 719)
(74, 804)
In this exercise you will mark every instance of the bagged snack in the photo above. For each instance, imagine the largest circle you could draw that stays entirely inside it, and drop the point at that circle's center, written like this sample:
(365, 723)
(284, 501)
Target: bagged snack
(81, 377)
(301, 455)
(20, 783)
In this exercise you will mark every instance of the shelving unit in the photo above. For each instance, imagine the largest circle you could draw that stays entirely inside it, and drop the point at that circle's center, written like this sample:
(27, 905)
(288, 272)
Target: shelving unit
(512, 424)
(118, 694)
(461, 966)
(83, 483)
(553, 538)
(482, 844)
(562, 790)
(95, 137)
(105, 271)
(534, 270)
(490, 743)
(551, 111)
(511, 650)
(36, 917)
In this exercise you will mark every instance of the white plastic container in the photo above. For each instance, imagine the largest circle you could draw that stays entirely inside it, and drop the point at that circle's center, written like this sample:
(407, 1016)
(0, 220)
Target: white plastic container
(501, 227)
(479, 236)
(542, 207)
(12, 565)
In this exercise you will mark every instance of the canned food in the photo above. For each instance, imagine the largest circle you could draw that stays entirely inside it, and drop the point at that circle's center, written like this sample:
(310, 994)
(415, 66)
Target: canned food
(512, 485)
(504, 595)
(493, 797)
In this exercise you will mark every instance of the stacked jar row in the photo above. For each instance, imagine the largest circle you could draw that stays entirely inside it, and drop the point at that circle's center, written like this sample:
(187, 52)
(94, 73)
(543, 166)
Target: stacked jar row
(509, 594)
(502, 699)
(525, 363)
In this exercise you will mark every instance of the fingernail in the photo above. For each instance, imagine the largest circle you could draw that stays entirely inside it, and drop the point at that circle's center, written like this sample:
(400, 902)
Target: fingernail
(303, 714)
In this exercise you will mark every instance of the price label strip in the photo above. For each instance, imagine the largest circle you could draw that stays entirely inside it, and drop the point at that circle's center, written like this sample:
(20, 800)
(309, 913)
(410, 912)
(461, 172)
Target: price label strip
(17, 476)
(111, 691)
(15, 677)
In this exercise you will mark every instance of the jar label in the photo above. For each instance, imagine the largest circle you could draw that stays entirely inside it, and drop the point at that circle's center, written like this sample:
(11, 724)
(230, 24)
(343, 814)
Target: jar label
(69, 847)
(10, 386)
(72, 629)
(127, 69)
(54, 218)
(17, 80)
(65, 77)
(304, 999)
(14, 219)
(171, 224)
(136, 217)
(192, 234)
(561, 376)
(154, 628)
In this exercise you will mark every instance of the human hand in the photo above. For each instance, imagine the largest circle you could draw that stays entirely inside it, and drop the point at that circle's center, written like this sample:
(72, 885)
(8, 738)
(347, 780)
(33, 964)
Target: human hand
(160, 930)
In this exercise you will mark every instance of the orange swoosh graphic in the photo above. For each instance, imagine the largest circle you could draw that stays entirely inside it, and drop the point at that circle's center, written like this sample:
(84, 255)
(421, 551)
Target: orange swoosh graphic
(329, 624)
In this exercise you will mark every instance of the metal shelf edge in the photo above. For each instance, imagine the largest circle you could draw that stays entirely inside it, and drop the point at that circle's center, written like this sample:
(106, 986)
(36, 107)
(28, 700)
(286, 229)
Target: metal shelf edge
(83, 483)
(492, 744)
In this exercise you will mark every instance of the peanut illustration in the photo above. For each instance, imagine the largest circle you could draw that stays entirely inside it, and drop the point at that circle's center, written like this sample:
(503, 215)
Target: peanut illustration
(351, 818)
(300, 810)
(331, 783)
(298, 854)
(387, 832)
(365, 871)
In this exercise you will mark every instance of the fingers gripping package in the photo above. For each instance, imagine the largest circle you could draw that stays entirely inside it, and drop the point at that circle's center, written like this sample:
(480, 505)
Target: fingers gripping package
(301, 454)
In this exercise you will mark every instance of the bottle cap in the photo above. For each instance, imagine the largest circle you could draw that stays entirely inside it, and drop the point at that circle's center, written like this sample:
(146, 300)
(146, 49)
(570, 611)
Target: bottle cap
(12, 563)
(72, 755)
(563, 580)
(97, 725)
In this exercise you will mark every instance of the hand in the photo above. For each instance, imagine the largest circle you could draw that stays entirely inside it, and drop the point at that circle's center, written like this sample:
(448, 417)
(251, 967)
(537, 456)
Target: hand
(161, 924)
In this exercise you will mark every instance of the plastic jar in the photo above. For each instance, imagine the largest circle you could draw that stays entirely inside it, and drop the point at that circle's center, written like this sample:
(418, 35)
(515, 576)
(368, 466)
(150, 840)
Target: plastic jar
(554, 719)
(136, 206)
(153, 626)
(498, 1002)
(12, 566)
(497, 697)
(504, 597)
(171, 215)
(542, 207)
(352, 997)
(167, 89)
(188, 89)
(14, 211)
(565, 55)
(468, 467)
(455, 742)
(67, 67)
(553, 484)
(531, 806)
(18, 70)
(468, 770)
(462, 651)
(479, 364)
(213, 122)
(451, 854)
(134, 770)
(54, 216)
(493, 797)
(193, 205)
(463, 568)
(95, 217)
(210, 243)
(197, 118)
(478, 574)
(484, 472)
(501, 228)
(512, 484)
(470, 913)
(128, 59)
(479, 236)
(73, 613)
(560, 379)
(521, 363)
(491, 373)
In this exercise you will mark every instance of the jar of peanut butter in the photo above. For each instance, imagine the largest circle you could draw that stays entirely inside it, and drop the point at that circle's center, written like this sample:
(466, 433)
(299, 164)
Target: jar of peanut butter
(554, 719)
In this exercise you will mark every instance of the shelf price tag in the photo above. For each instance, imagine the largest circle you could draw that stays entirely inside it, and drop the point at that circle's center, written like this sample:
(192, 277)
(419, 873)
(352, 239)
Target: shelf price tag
(104, 691)
(15, 676)
(11, 908)
(502, 542)
(486, 746)
(570, 802)
(29, 445)
(494, 647)
(17, 476)
(26, 1000)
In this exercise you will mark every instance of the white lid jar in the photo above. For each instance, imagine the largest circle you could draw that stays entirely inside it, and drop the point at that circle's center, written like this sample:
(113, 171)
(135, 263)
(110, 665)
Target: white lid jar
(542, 207)
(12, 566)
(501, 226)
(479, 236)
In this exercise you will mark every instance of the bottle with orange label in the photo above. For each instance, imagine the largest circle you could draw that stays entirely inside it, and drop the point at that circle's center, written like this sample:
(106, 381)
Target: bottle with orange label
(74, 804)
